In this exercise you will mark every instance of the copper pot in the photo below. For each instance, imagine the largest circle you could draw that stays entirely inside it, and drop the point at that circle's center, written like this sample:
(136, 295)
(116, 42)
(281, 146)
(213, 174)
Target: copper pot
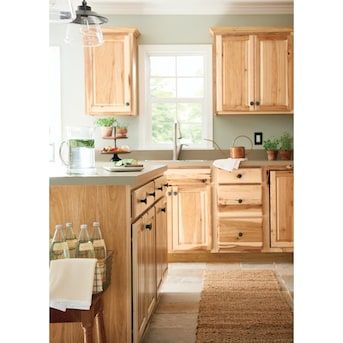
(239, 151)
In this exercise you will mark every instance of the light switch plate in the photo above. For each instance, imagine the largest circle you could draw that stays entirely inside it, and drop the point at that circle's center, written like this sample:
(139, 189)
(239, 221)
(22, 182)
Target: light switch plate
(258, 138)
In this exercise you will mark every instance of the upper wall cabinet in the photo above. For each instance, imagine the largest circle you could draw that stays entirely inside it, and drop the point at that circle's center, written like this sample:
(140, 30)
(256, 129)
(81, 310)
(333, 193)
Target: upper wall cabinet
(253, 70)
(111, 74)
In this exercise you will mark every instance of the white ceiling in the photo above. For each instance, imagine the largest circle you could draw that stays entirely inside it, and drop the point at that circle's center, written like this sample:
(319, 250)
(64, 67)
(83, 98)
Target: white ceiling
(194, 7)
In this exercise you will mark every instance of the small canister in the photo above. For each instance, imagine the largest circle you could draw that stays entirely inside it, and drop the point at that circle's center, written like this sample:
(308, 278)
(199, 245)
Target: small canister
(239, 151)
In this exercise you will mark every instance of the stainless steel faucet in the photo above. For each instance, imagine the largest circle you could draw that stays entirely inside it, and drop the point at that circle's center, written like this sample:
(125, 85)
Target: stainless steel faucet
(177, 135)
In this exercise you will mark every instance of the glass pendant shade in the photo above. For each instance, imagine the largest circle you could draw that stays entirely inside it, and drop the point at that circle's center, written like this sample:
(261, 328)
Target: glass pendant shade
(61, 11)
(85, 11)
(85, 34)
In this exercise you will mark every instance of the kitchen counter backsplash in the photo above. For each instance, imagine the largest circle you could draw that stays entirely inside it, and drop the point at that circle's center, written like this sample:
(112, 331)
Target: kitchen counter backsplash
(252, 155)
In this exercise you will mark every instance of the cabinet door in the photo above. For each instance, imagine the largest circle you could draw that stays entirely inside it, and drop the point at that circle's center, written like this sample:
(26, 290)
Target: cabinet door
(274, 72)
(234, 73)
(191, 217)
(139, 267)
(281, 208)
(161, 240)
(108, 75)
(150, 248)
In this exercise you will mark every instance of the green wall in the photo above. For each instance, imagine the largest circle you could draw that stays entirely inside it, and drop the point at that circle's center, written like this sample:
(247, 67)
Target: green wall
(158, 29)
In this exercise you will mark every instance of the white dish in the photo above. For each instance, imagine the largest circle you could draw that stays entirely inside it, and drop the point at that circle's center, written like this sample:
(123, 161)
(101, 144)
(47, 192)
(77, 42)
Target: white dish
(122, 169)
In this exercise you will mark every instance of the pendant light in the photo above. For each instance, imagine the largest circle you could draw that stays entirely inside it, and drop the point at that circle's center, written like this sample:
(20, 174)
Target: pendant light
(61, 11)
(85, 11)
(89, 32)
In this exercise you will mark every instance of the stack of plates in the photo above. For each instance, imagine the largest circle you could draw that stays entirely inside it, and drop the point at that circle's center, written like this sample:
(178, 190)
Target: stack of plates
(136, 167)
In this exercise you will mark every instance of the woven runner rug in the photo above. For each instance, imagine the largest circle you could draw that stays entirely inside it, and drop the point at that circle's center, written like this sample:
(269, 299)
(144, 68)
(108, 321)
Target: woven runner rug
(243, 306)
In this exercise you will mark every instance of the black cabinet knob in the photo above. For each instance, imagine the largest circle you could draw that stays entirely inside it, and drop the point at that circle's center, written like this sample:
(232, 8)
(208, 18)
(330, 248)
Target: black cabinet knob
(127, 104)
(148, 226)
(252, 103)
(240, 234)
(163, 209)
(257, 103)
(166, 185)
(143, 200)
(175, 193)
(160, 188)
(169, 193)
(240, 201)
(239, 176)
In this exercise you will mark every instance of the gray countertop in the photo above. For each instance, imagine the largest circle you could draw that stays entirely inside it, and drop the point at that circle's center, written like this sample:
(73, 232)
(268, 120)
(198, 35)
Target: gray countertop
(59, 176)
(152, 169)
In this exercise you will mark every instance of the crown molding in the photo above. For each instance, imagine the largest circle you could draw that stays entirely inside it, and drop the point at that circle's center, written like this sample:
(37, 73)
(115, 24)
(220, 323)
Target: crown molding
(191, 7)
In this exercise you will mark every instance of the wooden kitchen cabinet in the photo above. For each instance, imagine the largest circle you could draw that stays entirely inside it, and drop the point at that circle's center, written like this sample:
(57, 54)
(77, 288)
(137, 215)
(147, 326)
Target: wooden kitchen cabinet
(111, 74)
(238, 210)
(281, 209)
(161, 241)
(144, 271)
(189, 210)
(253, 70)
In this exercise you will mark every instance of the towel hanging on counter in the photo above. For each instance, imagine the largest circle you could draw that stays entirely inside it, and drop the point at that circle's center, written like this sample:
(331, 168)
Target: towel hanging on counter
(228, 164)
(71, 283)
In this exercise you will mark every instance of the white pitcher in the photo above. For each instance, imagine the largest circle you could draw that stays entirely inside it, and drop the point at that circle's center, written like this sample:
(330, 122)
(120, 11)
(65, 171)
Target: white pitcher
(81, 151)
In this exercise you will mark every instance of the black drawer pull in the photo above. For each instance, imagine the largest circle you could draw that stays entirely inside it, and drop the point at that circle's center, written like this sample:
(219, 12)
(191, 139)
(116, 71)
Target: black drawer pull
(163, 209)
(143, 200)
(240, 201)
(239, 176)
(166, 185)
(148, 226)
(151, 194)
(160, 188)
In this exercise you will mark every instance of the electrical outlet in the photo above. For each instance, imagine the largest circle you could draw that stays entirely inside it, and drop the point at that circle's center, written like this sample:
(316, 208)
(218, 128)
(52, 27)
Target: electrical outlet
(258, 138)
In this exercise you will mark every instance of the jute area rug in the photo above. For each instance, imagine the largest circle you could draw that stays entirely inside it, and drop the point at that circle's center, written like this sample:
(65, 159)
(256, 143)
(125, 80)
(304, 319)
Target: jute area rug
(243, 306)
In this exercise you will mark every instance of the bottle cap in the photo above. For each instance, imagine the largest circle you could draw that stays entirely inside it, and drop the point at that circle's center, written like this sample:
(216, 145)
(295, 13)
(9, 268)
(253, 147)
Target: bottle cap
(69, 224)
(96, 224)
(83, 226)
(58, 226)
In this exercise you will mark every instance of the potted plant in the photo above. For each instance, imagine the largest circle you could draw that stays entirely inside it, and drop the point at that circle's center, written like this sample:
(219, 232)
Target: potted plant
(285, 146)
(121, 129)
(271, 146)
(106, 125)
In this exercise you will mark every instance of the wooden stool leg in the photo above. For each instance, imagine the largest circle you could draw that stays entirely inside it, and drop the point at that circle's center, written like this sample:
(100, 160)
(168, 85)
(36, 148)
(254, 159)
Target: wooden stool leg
(101, 335)
(87, 321)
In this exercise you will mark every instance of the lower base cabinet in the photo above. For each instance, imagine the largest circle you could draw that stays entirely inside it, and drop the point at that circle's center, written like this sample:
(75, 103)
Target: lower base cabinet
(144, 271)
(149, 264)
(281, 209)
(161, 242)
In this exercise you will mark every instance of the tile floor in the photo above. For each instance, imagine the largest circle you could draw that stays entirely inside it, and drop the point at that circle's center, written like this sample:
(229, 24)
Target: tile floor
(176, 315)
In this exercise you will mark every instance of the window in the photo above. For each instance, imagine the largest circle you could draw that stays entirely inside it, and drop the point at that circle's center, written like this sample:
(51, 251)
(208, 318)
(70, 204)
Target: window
(175, 85)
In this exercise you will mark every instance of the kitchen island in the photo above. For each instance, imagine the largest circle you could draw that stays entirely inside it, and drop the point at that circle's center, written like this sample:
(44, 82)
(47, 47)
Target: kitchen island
(116, 200)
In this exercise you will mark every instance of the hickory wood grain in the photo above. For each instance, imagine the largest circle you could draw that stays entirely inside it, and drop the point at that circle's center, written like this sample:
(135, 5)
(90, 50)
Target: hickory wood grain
(109, 205)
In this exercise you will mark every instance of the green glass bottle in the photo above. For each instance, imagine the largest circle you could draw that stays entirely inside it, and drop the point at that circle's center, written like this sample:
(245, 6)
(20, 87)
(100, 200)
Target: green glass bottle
(58, 247)
(84, 247)
(98, 242)
(71, 239)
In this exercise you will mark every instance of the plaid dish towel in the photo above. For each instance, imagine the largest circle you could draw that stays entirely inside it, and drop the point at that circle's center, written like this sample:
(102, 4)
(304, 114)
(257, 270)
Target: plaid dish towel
(99, 276)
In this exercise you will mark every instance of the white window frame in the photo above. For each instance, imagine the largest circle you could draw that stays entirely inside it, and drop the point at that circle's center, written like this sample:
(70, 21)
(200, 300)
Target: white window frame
(145, 120)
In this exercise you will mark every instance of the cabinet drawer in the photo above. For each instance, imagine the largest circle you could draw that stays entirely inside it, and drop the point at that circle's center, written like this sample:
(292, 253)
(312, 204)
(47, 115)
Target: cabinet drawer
(240, 231)
(243, 175)
(142, 198)
(160, 186)
(240, 195)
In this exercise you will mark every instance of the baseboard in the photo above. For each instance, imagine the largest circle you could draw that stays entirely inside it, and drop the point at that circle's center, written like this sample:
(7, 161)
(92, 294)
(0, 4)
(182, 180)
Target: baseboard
(230, 257)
